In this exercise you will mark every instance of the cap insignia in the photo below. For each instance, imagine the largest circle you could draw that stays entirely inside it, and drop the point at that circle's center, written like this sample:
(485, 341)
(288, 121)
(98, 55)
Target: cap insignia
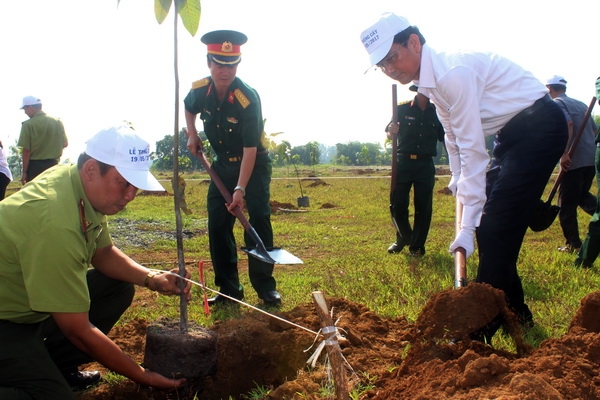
(227, 47)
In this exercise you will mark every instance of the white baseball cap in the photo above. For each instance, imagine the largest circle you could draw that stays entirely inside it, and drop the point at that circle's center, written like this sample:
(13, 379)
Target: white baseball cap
(557, 80)
(30, 101)
(122, 148)
(379, 37)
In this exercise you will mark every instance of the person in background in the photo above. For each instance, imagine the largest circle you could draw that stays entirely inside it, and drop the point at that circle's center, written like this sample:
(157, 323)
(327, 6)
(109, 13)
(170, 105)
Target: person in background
(231, 114)
(5, 174)
(591, 244)
(419, 131)
(63, 283)
(478, 95)
(42, 139)
(578, 170)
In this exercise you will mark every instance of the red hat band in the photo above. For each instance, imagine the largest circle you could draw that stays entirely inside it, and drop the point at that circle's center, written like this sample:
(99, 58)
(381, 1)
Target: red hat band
(225, 49)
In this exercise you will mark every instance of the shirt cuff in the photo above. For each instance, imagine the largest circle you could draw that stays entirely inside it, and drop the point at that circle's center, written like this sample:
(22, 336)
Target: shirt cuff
(471, 216)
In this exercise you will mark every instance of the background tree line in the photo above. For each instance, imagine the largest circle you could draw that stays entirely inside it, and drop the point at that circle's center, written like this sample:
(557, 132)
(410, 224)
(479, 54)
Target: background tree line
(353, 153)
(283, 153)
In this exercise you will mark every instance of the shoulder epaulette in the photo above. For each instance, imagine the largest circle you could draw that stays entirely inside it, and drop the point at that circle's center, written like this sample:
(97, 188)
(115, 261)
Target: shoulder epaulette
(241, 98)
(201, 83)
(404, 102)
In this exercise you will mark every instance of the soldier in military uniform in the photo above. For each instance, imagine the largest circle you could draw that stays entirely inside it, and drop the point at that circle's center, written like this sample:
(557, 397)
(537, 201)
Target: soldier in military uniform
(230, 111)
(418, 131)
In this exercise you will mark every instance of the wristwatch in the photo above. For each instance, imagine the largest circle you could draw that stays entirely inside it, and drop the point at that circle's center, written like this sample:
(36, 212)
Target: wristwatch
(241, 189)
(150, 275)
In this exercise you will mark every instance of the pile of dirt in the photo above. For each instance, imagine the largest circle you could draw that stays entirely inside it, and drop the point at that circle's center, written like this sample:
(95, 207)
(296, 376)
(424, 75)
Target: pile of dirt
(317, 182)
(430, 359)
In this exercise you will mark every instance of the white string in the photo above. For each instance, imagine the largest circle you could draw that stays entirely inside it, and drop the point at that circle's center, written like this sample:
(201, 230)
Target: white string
(236, 300)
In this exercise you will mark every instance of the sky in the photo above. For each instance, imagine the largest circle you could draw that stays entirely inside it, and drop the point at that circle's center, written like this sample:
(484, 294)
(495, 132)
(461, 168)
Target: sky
(95, 64)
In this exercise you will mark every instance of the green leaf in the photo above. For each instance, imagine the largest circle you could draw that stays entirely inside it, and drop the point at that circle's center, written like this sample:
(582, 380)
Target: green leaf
(161, 9)
(189, 11)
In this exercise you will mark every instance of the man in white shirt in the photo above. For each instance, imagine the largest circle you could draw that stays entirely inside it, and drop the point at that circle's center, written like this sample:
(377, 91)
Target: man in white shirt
(478, 95)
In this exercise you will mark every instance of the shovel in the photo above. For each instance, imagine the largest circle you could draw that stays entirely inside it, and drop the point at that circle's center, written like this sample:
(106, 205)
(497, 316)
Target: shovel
(274, 255)
(394, 156)
(460, 255)
(545, 213)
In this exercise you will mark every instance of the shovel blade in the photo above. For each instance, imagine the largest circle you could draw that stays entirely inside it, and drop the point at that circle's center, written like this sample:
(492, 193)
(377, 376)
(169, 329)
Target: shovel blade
(543, 216)
(274, 255)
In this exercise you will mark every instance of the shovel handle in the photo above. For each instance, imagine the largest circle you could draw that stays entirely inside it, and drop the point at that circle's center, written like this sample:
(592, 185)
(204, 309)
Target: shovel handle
(460, 255)
(394, 138)
(227, 196)
(237, 210)
(572, 147)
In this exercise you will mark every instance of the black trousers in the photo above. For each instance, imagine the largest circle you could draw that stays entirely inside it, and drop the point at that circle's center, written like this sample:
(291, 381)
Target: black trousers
(575, 192)
(4, 181)
(524, 156)
(221, 223)
(418, 175)
(36, 167)
(32, 356)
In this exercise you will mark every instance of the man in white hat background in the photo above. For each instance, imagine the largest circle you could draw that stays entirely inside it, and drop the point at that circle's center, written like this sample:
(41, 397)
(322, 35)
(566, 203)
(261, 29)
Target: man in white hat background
(478, 95)
(42, 139)
(578, 170)
(63, 284)
(231, 114)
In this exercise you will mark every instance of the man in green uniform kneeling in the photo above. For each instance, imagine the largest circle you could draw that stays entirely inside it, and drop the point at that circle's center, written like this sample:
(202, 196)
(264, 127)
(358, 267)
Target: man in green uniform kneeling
(418, 132)
(55, 311)
(231, 113)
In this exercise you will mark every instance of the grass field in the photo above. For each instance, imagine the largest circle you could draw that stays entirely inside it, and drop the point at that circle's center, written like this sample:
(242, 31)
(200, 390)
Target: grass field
(342, 238)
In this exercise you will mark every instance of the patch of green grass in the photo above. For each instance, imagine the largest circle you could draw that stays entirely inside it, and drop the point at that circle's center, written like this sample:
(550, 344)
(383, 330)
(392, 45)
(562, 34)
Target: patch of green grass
(258, 393)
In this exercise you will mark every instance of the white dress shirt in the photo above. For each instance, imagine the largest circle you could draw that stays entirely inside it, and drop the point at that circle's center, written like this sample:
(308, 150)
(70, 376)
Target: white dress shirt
(476, 94)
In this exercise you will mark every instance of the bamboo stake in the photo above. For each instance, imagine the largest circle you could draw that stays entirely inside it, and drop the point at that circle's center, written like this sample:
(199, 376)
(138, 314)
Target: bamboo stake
(333, 348)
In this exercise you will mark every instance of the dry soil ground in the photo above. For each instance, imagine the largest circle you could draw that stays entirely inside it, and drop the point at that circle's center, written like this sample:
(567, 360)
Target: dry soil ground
(429, 359)
(432, 358)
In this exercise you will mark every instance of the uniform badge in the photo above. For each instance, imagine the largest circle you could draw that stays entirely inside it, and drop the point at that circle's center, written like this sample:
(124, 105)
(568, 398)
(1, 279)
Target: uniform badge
(232, 120)
(241, 98)
(230, 98)
(200, 83)
(227, 47)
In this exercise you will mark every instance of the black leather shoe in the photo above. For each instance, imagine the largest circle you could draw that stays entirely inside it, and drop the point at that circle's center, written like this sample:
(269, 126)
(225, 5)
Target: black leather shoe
(271, 298)
(80, 380)
(395, 248)
(417, 252)
(486, 333)
(221, 300)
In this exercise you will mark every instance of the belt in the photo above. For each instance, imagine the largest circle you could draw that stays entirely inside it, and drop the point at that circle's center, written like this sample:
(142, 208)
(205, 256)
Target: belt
(239, 158)
(539, 104)
(414, 156)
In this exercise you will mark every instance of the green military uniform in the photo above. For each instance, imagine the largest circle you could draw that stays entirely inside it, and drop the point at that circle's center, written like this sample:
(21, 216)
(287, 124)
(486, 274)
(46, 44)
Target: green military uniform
(419, 132)
(45, 137)
(52, 276)
(230, 126)
(590, 249)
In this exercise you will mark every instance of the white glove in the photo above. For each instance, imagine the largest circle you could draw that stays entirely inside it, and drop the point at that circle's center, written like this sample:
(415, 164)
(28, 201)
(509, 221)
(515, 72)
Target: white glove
(454, 182)
(464, 239)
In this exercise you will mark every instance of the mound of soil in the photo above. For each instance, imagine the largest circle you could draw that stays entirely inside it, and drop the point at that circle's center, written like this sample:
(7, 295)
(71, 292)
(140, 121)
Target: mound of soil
(277, 206)
(390, 358)
(327, 206)
(318, 182)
